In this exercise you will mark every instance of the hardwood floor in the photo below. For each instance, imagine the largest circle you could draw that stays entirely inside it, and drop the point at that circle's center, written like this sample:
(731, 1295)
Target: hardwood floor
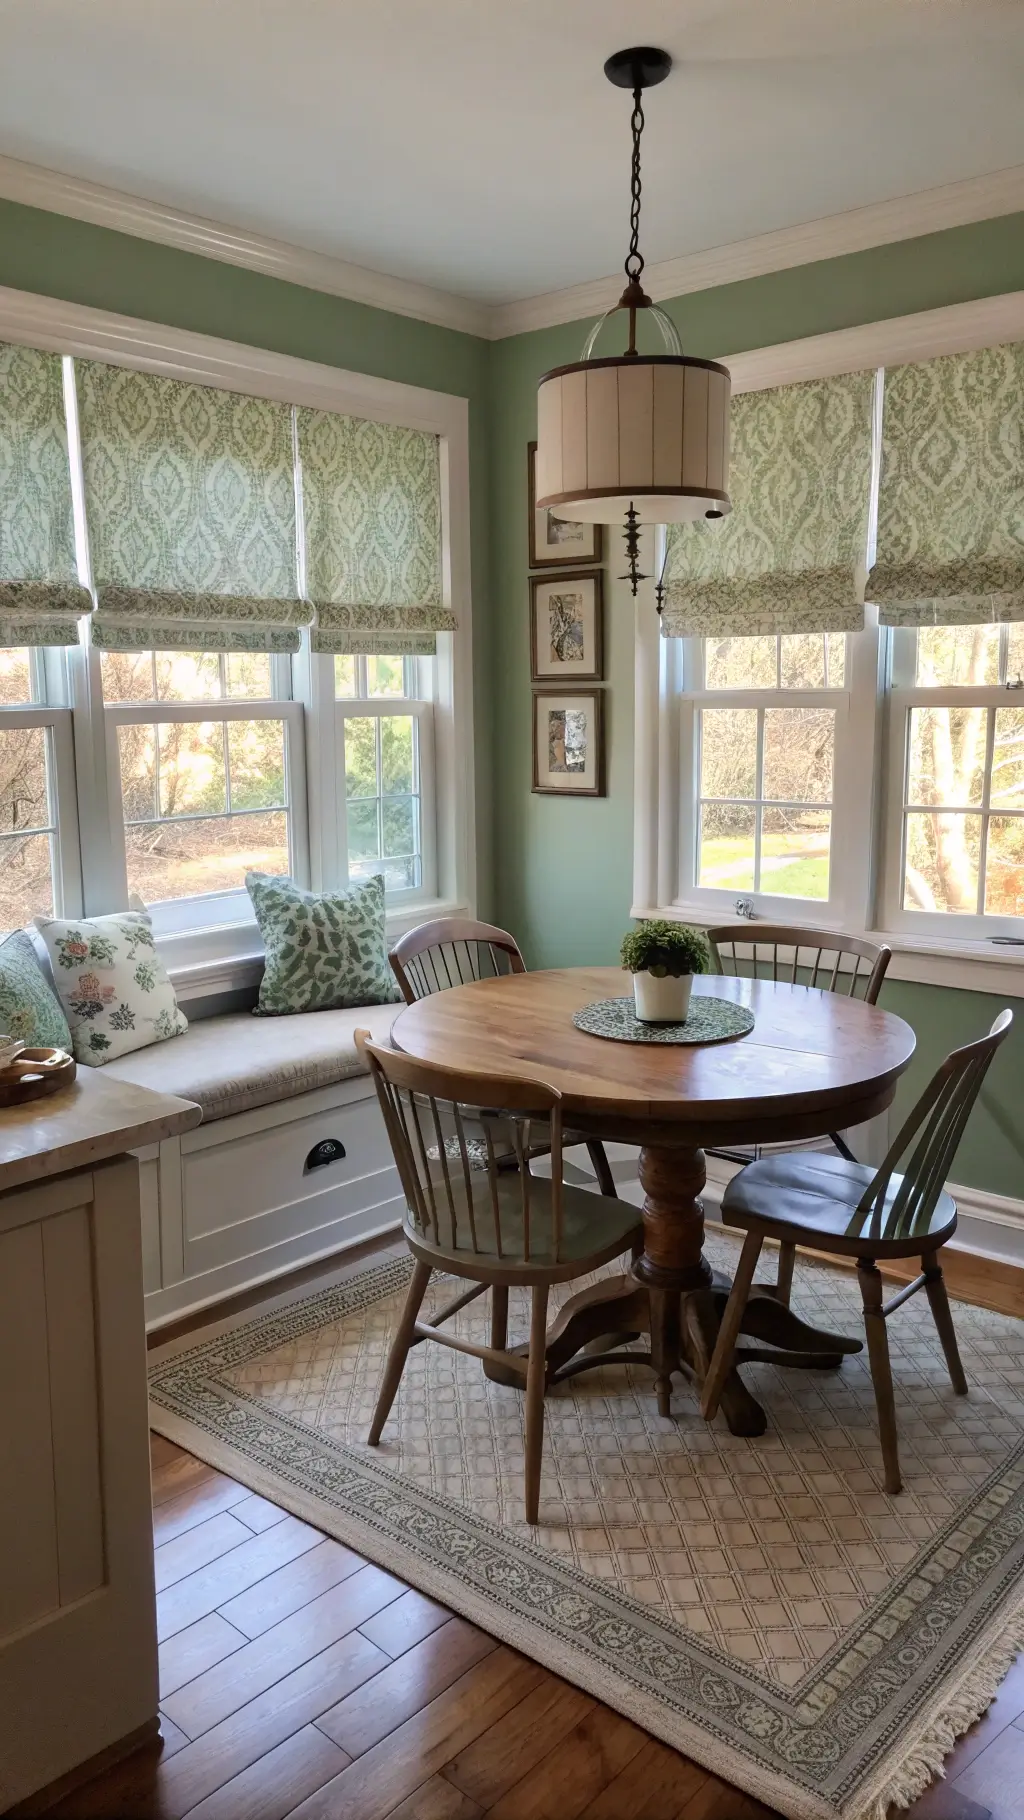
(298, 1679)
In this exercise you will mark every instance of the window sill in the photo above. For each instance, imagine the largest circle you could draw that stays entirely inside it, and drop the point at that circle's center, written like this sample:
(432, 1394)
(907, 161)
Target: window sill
(975, 966)
(228, 957)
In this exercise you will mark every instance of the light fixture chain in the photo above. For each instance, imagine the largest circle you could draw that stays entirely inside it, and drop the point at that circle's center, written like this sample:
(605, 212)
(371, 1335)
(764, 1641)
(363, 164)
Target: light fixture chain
(634, 262)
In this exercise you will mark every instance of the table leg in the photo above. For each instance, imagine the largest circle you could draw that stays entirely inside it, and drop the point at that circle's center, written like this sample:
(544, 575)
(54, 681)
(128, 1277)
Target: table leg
(672, 1294)
(684, 1314)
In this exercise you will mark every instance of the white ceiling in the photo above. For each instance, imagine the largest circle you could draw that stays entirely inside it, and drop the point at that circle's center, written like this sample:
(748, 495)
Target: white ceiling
(474, 145)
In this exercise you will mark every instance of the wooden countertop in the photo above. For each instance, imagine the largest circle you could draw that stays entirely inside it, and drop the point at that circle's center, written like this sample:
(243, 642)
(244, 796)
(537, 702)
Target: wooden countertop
(97, 1117)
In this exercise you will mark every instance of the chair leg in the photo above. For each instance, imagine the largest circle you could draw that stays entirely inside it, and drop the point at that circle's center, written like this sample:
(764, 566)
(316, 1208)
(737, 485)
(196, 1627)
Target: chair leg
(784, 1280)
(399, 1350)
(881, 1371)
(725, 1345)
(536, 1372)
(602, 1169)
(499, 1316)
(842, 1146)
(942, 1315)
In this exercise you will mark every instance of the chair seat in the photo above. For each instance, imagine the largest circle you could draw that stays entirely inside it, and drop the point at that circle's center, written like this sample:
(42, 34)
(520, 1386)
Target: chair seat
(812, 1199)
(594, 1230)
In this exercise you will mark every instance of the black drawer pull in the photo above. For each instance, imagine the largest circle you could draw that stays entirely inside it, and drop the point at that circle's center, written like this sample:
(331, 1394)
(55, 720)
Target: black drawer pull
(329, 1150)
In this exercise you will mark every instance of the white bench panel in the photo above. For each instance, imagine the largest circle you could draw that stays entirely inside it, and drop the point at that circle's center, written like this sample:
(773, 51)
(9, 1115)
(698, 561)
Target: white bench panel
(249, 1192)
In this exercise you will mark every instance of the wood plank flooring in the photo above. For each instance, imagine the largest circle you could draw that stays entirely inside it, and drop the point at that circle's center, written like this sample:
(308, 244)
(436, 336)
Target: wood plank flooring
(297, 1679)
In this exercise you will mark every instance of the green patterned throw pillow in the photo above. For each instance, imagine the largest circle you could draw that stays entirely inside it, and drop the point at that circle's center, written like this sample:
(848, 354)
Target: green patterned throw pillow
(323, 953)
(29, 1008)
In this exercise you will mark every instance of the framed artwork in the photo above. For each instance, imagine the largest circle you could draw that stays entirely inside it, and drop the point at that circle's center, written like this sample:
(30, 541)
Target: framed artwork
(554, 540)
(566, 627)
(568, 742)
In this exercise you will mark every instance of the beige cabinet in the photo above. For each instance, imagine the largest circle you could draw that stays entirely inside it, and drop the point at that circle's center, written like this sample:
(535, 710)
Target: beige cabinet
(78, 1660)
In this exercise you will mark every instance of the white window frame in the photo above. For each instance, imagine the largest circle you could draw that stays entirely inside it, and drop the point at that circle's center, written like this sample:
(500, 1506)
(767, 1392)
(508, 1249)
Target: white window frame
(421, 710)
(665, 783)
(47, 711)
(905, 694)
(214, 909)
(215, 958)
(693, 696)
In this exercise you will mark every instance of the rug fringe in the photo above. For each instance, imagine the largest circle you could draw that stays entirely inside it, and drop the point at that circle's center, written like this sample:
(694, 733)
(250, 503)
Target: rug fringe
(961, 1707)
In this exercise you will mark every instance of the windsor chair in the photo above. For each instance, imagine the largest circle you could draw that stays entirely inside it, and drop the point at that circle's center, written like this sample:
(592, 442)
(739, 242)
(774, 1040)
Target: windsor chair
(847, 1209)
(494, 1227)
(854, 967)
(454, 951)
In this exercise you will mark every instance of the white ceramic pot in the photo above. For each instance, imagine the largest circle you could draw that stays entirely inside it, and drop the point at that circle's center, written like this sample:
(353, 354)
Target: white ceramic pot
(661, 1001)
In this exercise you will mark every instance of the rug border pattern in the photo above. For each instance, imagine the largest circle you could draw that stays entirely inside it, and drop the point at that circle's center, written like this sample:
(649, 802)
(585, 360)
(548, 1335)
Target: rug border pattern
(886, 1677)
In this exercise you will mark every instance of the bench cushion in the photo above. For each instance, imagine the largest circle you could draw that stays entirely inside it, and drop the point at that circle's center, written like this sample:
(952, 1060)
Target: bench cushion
(237, 1062)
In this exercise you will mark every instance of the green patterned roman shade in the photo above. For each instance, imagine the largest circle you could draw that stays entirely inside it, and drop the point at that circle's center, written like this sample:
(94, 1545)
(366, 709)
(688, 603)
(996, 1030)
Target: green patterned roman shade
(792, 554)
(190, 503)
(951, 494)
(41, 601)
(372, 506)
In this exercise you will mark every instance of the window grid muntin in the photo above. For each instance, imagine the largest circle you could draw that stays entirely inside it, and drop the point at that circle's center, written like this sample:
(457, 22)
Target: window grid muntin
(381, 797)
(757, 803)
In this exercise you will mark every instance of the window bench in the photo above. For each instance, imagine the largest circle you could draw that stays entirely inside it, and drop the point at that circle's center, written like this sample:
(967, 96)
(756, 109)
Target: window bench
(244, 1197)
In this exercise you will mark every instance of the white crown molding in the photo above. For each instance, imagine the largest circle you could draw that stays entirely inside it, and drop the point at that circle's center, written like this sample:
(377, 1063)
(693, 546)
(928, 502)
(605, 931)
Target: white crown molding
(853, 231)
(957, 328)
(85, 201)
(60, 327)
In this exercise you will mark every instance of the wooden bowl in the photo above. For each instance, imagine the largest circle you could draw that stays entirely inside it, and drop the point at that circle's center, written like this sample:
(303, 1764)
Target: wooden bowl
(34, 1073)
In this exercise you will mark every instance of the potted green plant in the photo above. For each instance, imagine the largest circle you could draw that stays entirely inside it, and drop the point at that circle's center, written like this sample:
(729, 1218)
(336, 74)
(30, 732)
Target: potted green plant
(663, 958)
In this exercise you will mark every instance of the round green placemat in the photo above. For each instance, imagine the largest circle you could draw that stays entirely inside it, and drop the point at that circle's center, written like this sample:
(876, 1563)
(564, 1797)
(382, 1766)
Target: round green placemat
(709, 1020)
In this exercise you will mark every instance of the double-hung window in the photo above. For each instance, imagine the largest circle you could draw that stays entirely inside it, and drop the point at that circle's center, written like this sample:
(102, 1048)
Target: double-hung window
(39, 870)
(949, 580)
(763, 758)
(208, 751)
(385, 709)
(831, 729)
(211, 599)
(40, 601)
(766, 720)
(955, 847)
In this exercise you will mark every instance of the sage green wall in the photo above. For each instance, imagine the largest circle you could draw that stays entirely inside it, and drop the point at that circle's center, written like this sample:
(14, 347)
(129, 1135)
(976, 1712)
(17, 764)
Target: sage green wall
(57, 257)
(558, 873)
(564, 869)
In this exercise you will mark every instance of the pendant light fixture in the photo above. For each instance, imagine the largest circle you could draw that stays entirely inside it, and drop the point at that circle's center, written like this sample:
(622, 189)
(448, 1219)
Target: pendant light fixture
(639, 437)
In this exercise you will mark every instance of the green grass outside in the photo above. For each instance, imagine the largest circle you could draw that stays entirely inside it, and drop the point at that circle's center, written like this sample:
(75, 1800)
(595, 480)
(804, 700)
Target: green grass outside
(727, 863)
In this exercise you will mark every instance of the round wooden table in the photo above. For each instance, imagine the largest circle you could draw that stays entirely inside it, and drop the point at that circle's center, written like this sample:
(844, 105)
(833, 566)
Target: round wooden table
(814, 1062)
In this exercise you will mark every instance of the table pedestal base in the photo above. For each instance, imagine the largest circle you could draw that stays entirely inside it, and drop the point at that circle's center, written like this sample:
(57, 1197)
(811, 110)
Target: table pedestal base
(673, 1295)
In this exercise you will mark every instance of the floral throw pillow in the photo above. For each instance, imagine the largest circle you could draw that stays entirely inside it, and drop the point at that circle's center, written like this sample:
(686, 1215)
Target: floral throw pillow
(323, 953)
(29, 1009)
(112, 984)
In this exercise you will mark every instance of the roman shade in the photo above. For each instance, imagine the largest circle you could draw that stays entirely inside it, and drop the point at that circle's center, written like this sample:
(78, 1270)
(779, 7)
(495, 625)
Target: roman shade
(41, 601)
(371, 496)
(792, 555)
(190, 502)
(950, 547)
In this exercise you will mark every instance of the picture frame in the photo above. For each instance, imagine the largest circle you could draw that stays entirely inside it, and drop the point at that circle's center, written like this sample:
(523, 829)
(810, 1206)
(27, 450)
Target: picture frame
(567, 627)
(555, 542)
(568, 742)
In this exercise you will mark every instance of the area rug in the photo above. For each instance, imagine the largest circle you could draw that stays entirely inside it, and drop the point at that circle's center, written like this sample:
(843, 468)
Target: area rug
(759, 1604)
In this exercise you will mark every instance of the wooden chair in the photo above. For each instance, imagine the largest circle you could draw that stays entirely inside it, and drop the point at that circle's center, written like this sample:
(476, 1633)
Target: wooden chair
(454, 951)
(846, 1209)
(854, 967)
(493, 1227)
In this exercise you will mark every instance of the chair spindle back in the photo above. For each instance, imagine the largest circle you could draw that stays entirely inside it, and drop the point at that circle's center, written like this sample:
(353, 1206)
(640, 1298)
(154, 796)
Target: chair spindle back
(940, 1116)
(458, 1200)
(812, 957)
(452, 951)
